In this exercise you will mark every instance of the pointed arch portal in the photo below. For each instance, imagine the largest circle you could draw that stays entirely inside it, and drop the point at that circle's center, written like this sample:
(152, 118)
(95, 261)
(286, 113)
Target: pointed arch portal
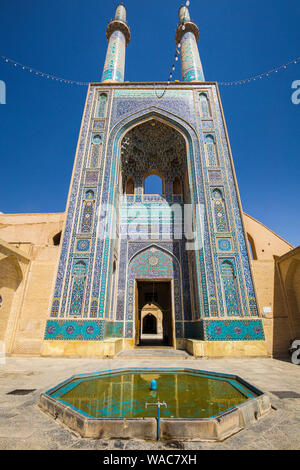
(153, 277)
(154, 324)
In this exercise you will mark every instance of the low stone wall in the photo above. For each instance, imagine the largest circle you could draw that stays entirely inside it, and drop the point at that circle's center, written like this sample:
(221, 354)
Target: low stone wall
(106, 348)
(199, 348)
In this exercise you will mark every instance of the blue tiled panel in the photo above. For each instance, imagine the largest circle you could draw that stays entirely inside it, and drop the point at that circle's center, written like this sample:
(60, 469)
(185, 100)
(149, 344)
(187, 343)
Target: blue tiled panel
(233, 330)
(83, 245)
(74, 330)
(224, 244)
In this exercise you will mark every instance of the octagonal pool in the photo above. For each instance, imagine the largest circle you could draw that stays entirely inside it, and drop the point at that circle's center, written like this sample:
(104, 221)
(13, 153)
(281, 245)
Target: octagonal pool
(199, 404)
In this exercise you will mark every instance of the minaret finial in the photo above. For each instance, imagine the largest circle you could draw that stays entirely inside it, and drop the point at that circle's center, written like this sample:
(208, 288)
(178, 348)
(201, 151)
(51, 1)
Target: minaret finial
(187, 35)
(118, 36)
(184, 14)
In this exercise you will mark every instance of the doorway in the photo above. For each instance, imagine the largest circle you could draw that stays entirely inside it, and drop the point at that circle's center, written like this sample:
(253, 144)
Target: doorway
(154, 319)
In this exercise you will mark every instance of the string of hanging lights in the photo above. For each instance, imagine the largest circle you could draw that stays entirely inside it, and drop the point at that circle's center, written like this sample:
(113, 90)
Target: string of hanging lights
(177, 54)
(176, 58)
(42, 74)
(262, 75)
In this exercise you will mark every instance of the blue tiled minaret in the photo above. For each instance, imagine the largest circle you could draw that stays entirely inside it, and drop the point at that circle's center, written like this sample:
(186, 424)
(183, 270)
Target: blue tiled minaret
(118, 36)
(187, 35)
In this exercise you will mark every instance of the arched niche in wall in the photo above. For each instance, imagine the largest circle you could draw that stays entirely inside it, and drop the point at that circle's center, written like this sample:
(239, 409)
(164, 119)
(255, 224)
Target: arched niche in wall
(78, 287)
(130, 186)
(211, 150)
(88, 211)
(205, 110)
(177, 187)
(220, 214)
(230, 288)
(252, 248)
(101, 106)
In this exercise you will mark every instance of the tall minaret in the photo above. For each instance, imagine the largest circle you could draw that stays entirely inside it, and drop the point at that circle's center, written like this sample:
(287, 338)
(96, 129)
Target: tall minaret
(118, 36)
(187, 35)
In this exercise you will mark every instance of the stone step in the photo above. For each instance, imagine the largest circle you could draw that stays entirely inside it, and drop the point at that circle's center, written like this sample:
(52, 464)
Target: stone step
(147, 352)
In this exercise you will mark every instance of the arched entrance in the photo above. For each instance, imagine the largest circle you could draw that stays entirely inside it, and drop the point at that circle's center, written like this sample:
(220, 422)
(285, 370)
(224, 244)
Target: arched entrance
(153, 277)
(154, 319)
(151, 324)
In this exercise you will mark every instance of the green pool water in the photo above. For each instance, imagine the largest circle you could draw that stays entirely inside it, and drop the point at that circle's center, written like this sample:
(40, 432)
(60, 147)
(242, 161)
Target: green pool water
(187, 395)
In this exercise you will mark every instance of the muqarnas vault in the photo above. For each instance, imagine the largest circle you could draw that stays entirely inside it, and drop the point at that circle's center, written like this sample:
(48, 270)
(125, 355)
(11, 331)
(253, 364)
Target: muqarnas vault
(126, 282)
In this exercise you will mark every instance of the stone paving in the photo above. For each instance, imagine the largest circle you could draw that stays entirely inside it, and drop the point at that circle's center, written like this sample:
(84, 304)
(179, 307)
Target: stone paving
(24, 426)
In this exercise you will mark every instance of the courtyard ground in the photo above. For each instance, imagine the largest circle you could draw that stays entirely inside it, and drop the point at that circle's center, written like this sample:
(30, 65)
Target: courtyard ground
(24, 426)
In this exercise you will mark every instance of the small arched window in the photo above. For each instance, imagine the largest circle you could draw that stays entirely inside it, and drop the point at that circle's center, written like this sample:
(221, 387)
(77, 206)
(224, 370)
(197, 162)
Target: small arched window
(153, 184)
(56, 239)
(177, 186)
(252, 248)
(204, 106)
(129, 186)
(101, 107)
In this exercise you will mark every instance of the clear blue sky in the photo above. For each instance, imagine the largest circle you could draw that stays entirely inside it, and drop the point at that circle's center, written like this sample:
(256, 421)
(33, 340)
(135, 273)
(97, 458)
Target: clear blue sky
(41, 120)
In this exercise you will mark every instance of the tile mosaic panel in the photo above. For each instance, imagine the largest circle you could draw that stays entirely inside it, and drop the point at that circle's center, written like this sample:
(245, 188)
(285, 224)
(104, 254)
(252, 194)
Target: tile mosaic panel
(230, 288)
(74, 330)
(233, 330)
(224, 244)
(215, 176)
(98, 125)
(91, 177)
(83, 245)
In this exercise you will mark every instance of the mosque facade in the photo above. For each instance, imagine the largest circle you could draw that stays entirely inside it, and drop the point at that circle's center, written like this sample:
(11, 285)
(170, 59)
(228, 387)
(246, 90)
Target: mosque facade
(138, 269)
(122, 247)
